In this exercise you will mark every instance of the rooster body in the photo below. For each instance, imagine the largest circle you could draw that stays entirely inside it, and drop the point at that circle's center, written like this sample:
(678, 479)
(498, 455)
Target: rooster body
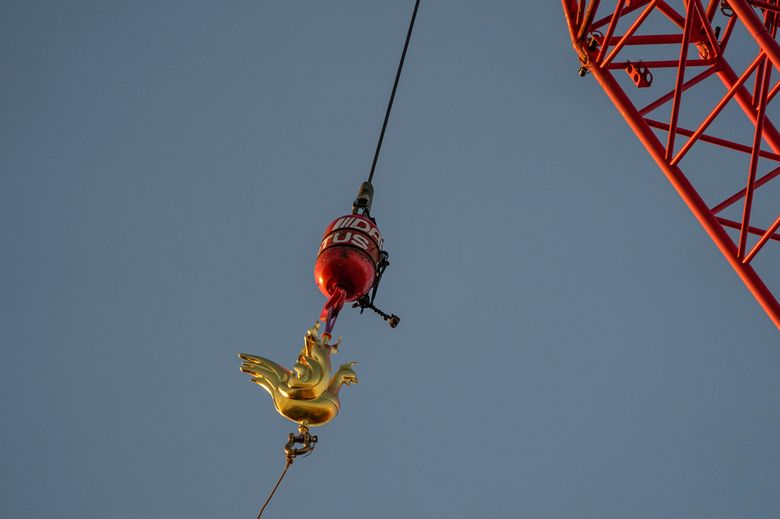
(308, 394)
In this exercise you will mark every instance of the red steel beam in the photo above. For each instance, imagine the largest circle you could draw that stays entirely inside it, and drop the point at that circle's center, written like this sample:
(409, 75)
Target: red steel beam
(630, 32)
(670, 13)
(626, 10)
(704, 21)
(711, 8)
(718, 108)
(570, 12)
(770, 233)
(757, 29)
(765, 5)
(724, 41)
(752, 230)
(671, 63)
(738, 195)
(666, 97)
(678, 91)
(593, 6)
(763, 88)
(647, 39)
(610, 31)
(696, 25)
(744, 99)
(725, 143)
(689, 195)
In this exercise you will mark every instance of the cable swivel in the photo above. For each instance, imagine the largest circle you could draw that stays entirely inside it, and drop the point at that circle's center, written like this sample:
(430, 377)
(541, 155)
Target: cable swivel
(305, 439)
(308, 443)
(362, 203)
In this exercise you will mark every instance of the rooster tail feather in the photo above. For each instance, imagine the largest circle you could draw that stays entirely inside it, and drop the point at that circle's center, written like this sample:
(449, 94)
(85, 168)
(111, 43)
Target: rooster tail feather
(265, 384)
(265, 373)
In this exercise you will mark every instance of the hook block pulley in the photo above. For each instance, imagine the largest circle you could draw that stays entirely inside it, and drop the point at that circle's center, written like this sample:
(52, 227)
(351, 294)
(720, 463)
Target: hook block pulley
(350, 261)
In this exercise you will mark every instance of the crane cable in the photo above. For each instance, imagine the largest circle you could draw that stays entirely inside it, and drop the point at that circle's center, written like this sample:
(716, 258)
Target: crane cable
(287, 466)
(392, 94)
(370, 178)
(307, 442)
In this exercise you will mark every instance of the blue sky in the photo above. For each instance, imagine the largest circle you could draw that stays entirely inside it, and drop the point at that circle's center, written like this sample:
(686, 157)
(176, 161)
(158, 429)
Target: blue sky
(571, 345)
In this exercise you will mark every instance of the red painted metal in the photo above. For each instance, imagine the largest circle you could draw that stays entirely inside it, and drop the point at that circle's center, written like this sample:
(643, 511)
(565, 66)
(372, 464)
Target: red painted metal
(736, 197)
(764, 238)
(348, 256)
(639, 30)
(763, 86)
(347, 263)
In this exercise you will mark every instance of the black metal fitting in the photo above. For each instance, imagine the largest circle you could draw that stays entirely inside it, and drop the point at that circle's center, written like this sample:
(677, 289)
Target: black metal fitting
(362, 203)
(308, 442)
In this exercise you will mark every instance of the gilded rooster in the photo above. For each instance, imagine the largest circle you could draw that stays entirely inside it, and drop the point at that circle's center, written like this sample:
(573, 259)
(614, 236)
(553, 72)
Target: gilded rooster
(308, 394)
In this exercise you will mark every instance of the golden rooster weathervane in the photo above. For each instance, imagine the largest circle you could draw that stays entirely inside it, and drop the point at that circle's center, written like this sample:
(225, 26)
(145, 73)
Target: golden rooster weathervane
(309, 393)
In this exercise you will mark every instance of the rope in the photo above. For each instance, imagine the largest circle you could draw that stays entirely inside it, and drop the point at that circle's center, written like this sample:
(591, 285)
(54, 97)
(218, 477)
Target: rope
(392, 94)
(287, 466)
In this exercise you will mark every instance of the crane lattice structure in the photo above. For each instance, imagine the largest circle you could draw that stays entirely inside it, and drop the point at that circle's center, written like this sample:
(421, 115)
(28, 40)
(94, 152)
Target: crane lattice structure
(660, 62)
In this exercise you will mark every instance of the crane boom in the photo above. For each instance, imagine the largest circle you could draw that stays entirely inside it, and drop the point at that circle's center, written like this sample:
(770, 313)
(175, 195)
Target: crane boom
(659, 63)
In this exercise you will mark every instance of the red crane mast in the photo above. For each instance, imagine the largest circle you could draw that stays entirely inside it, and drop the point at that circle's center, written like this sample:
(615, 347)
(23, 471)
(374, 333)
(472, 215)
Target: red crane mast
(660, 63)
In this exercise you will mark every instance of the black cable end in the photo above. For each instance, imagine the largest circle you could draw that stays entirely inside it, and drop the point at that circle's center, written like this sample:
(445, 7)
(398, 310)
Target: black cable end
(362, 203)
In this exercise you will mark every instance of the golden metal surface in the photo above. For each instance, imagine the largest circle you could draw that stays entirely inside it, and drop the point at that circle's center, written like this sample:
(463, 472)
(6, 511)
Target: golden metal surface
(307, 394)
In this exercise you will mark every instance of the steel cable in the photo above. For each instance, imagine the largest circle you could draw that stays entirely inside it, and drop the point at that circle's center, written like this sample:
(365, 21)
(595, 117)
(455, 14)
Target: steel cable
(287, 466)
(392, 94)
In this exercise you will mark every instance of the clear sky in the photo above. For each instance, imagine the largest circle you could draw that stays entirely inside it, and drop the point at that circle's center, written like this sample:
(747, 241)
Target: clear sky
(572, 344)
